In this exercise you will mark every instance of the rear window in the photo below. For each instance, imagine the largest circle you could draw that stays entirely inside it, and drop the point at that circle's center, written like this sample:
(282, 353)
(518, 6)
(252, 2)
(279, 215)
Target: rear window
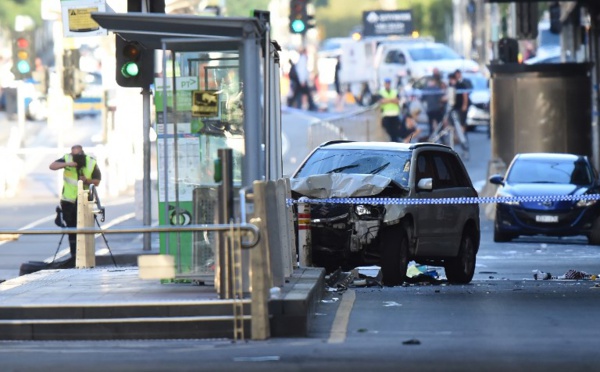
(391, 164)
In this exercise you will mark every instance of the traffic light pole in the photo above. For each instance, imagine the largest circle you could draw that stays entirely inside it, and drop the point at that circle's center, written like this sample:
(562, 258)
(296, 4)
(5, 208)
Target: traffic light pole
(146, 184)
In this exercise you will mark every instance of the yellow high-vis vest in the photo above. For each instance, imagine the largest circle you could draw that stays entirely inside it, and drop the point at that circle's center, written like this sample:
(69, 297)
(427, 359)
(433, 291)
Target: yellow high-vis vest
(70, 177)
(389, 109)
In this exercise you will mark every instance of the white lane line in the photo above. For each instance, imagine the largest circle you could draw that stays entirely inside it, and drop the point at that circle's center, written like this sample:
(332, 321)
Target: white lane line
(339, 329)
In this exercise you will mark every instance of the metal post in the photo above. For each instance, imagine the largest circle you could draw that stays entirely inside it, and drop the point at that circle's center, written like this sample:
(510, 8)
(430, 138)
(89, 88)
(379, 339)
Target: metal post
(594, 41)
(253, 162)
(260, 278)
(86, 249)
(225, 214)
(147, 208)
(304, 245)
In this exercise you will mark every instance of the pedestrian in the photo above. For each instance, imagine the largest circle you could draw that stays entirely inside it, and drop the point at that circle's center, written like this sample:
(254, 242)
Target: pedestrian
(294, 83)
(409, 130)
(339, 105)
(434, 99)
(390, 109)
(77, 166)
(461, 102)
(304, 88)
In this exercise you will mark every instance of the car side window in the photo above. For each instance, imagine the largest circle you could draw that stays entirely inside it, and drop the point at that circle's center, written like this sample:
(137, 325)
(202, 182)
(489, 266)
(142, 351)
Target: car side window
(443, 178)
(423, 168)
(461, 177)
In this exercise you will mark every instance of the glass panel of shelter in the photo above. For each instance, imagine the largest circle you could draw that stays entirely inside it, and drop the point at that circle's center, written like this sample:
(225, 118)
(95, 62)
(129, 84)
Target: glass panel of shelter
(209, 116)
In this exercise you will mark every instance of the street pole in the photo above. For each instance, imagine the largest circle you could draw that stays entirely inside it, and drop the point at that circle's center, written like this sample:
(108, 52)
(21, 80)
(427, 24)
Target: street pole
(146, 183)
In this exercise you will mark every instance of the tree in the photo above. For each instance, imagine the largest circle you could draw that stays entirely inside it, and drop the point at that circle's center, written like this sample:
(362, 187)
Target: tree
(244, 8)
(10, 9)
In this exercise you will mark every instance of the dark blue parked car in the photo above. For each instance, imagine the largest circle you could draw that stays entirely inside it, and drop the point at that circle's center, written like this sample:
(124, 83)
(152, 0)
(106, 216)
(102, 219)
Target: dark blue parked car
(539, 174)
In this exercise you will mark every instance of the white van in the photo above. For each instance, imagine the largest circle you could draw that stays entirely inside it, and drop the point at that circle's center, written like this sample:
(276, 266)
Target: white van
(399, 61)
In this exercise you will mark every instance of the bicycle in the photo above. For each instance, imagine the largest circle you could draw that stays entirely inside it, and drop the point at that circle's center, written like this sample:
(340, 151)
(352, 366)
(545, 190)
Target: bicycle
(450, 132)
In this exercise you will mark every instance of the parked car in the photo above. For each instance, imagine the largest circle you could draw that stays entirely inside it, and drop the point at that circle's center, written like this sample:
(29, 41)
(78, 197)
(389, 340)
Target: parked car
(541, 174)
(479, 110)
(346, 234)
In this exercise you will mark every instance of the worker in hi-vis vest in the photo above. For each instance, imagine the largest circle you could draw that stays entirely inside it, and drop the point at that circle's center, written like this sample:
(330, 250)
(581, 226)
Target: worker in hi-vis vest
(390, 109)
(77, 166)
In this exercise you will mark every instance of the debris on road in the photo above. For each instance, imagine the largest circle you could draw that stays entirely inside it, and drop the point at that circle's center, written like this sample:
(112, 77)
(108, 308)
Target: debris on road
(570, 275)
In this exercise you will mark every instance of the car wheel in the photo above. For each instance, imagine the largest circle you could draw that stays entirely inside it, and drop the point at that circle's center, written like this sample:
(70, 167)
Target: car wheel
(394, 258)
(594, 236)
(500, 237)
(462, 268)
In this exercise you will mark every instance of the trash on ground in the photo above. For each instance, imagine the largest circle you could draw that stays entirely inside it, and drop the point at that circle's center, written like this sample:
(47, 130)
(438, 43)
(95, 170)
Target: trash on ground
(412, 341)
(421, 274)
(570, 275)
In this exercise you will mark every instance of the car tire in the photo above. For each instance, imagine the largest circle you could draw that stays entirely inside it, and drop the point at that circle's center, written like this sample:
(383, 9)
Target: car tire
(461, 269)
(594, 236)
(394, 258)
(500, 237)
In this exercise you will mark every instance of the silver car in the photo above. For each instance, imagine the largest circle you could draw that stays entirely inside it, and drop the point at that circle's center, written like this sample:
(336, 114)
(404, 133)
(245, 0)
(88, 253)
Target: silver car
(432, 229)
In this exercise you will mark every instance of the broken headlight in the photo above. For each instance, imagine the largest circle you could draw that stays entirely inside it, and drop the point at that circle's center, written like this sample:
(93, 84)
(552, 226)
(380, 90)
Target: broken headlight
(362, 210)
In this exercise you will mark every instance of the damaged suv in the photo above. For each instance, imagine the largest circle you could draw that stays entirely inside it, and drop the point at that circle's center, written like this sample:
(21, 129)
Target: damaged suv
(430, 227)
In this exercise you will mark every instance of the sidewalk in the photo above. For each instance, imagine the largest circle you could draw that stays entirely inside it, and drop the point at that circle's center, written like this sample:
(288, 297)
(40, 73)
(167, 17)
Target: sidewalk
(108, 303)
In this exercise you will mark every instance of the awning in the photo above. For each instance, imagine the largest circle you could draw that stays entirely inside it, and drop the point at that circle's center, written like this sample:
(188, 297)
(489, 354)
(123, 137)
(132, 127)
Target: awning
(152, 28)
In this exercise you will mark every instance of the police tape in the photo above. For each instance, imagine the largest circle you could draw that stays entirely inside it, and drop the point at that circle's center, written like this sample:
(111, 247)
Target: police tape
(461, 200)
(427, 92)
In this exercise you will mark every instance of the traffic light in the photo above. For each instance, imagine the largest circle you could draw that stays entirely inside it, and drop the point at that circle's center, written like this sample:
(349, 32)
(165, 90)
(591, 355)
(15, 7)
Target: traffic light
(299, 17)
(527, 20)
(23, 55)
(135, 64)
(72, 76)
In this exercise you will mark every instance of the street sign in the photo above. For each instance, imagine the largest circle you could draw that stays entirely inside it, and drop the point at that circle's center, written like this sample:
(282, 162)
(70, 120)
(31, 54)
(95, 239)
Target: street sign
(387, 22)
(77, 19)
(205, 103)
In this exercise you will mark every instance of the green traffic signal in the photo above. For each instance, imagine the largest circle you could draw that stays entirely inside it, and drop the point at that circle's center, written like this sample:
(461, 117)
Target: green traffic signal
(130, 69)
(23, 67)
(298, 26)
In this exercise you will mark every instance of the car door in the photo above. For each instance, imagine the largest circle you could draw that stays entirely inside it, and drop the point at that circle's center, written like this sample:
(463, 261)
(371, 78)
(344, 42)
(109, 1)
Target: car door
(425, 212)
(449, 218)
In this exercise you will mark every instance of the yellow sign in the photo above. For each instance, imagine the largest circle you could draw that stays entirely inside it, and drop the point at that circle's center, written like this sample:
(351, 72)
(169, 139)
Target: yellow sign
(205, 103)
(80, 20)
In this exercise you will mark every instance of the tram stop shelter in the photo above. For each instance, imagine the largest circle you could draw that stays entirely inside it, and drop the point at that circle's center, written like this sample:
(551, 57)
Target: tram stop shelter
(219, 89)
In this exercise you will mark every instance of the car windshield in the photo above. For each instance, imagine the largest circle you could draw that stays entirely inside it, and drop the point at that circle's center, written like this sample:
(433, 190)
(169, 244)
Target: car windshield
(432, 53)
(391, 164)
(550, 171)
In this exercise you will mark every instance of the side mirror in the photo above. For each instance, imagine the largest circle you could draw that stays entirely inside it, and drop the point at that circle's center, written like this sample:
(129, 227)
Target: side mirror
(425, 184)
(497, 179)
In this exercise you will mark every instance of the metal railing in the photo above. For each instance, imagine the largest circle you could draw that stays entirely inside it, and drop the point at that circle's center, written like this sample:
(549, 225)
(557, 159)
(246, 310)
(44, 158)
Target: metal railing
(363, 124)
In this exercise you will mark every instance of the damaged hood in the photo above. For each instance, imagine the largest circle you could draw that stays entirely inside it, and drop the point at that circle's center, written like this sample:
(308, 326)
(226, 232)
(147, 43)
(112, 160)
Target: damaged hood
(340, 185)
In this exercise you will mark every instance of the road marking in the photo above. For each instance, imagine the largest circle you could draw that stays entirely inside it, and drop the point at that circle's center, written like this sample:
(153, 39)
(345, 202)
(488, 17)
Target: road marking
(342, 317)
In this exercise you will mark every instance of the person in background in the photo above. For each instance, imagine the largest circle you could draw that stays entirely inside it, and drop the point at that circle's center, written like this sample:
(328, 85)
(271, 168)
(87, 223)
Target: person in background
(461, 102)
(77, 167)
(304, 88)
(435, 99)
(339, 103)
(409, 131)
(294, 83)
(390, 109)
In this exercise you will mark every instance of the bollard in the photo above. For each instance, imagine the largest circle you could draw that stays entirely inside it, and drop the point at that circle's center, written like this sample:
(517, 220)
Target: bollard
(304, 245)
(86, 249)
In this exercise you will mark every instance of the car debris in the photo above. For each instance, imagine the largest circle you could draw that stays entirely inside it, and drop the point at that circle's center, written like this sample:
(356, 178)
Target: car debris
(570, 275)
